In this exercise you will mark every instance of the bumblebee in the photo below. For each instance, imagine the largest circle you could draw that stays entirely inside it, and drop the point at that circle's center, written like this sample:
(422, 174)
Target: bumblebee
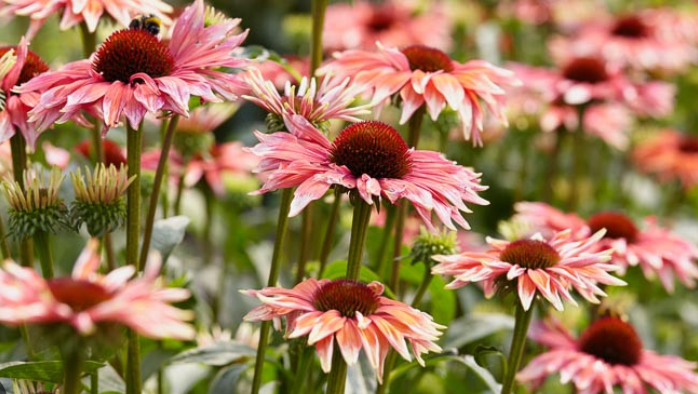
(149, 23)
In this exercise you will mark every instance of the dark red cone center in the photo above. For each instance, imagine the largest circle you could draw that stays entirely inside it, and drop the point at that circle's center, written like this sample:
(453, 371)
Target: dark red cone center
(78, 294)
(427, 59)
(347, 297)
(630, 27)
(585, 69)
(616, 224)
(613, 341)
(688, 145)
(528, 253)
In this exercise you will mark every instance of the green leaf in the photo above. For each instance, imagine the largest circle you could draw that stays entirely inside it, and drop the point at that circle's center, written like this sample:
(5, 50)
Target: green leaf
(217, 355)
(227, 379)
(338, 270)
(476, 326)
(44, 371)
(443, 301)
(168, 233)
(482, 373)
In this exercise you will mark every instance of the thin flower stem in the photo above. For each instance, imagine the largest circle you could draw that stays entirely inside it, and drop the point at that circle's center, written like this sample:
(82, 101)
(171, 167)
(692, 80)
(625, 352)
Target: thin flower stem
(4, 248)
(43, 249)
(329, 232)
(518, 342)
(579, 154)
(301, 375)
(306, 235)
(359, 230)
(89, 40)
(94, 382)
(426, 281)
(207, 242)
(282, 224)
(380, 261)
(318, 9)
(133, 216)
(18, 147)
(155, 194)
(180, 189)
(72, 370)
(338, 374)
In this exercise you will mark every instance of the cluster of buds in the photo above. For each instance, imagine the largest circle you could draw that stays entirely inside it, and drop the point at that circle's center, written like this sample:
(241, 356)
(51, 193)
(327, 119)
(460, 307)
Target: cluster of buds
(99, 202)
(427, 245)
(36, 207)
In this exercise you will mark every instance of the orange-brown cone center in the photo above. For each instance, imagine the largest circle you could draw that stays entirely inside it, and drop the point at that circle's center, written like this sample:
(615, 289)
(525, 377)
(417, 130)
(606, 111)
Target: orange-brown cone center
(529, 253)
(427, 59)
(347, 297)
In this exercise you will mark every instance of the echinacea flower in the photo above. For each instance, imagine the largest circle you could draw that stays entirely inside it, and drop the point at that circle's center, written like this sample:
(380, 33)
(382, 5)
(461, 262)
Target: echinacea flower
(425, 76)
(78, 11)
(641, 41)
(372, 159)
(331, 100)
(656, 250)
(609, 354)
(25, 65)
(87, 299)
(113, 153)
(221, 160)
(353, 314)
(396, 23)
(669, 155)
(134, 73)
(535, 266)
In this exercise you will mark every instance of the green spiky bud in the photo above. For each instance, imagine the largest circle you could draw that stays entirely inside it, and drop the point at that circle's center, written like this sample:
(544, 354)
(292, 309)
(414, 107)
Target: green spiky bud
(99, 202)
(37, 207)
(428, 245)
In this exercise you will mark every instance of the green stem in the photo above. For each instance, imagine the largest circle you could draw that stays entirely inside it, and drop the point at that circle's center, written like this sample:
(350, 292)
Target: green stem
(72, 371)
(578, 155)
(209, 204)
(89, 40)
(304, 250)
(329, 232)
(338, 374)
(18, 146)
(109, 252)
(318, 9)
(426, 281)
(4, 248)
(282, 224)
(43, 249)
(518, 343)
(301, 375)
(94, 382)
(388, 366)
(133, 216)
(180, 188)
(155, 194)
(359, 230)
(381, 267)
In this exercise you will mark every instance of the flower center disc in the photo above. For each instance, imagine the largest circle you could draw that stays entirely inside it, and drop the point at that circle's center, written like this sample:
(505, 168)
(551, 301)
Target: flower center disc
(529, 253)
(613, 341)
(381, 19)
(347, 297)
(585, 69)
(78, 294)
(616, 224)
(688, 145)
(372, 148)
(132, 51)
(33, 65)
(630, 27)
(427, 59)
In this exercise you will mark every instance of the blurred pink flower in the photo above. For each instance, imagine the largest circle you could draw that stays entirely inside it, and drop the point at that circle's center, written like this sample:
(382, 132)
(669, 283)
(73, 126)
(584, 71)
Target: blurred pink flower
(278, 75)
(134, 73)
(352, 313)
(549, 267)
(306, 159)
(393, 22)
(330, 100)
(609, 354)
(656, 250)
(641, 41)
(670, 155)
(78, 11)
(410, 231)
(113, 153)
(226, 158)
(86, 299)
(425, 76)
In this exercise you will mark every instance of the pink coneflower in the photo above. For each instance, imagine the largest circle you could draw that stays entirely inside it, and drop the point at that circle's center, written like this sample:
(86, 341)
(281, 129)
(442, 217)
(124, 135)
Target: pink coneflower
(641, 41)
(87, 299)
(134, 73)
(609, 354)
(78, 11)
(373, 159)
(670, 155)
(657, 251)
(535, 266)
(395, 23)
(13, 106)
(425, 76)
(279, 75)
(317, 104)
(352, 313)
(227, 158)
(609, 99)
(113, 153)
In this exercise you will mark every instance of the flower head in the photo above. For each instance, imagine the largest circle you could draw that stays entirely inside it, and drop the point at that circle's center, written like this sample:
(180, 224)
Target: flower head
(535, 266)
(669, 155)
(98, 198)
(425, 76)
(609, 354)
(352, 313)
(36, 206)
(372, 159)
(87, 299)
(657, 251)
(134, 73)
(75, 12)
(331, 100)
